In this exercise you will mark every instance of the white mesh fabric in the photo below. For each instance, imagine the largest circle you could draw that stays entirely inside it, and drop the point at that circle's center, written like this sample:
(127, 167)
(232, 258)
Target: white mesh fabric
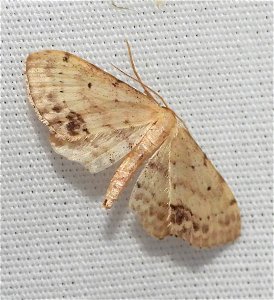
(213, 63)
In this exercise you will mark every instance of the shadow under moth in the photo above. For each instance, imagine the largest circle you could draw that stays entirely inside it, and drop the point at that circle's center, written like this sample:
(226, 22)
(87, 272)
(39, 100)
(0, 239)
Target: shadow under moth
(96, 119)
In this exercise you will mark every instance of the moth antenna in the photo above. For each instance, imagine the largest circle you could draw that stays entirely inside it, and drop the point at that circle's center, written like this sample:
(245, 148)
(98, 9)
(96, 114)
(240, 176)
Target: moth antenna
(135, 70)
(145, 87)
(159, 96)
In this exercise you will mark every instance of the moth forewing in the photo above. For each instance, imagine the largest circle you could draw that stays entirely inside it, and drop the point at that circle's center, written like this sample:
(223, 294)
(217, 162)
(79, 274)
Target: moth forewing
(202, 208)
(94, 118)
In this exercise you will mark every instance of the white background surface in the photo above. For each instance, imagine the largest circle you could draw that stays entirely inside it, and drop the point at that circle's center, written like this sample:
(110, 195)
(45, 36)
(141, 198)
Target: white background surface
(212, 61)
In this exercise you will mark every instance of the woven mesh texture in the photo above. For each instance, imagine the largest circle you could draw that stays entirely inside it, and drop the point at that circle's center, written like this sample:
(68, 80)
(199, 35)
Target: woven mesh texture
(213, 63)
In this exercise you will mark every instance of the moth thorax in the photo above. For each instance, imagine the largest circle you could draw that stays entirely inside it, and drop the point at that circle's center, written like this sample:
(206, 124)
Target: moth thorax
(167, 119)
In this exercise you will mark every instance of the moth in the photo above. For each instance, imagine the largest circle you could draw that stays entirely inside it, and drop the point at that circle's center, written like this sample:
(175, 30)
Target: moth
(97, 120)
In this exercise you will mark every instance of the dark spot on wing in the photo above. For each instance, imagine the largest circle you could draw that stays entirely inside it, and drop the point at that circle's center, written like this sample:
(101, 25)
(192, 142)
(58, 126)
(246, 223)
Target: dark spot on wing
(180, 213)
(73, 115)
(158, 167)
(115, 84)
(73, 127)
(209, 188)
(179, 217)
(86, 130)
(196, 226)
(89, 85)
(76, 122)
(175, 207)
(57, 108)
(66, 57)
(138, 185)
(232, 202)
(205, 228)
(205, 159)
(50, 97)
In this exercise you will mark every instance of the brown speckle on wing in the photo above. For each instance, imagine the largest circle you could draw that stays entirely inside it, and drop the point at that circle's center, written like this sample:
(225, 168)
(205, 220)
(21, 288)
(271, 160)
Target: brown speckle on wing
(83, 106)
(149, 199)
(203, 210)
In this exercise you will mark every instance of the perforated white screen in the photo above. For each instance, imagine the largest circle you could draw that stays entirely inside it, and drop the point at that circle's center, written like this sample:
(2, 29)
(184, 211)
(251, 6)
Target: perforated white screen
(213, 63)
